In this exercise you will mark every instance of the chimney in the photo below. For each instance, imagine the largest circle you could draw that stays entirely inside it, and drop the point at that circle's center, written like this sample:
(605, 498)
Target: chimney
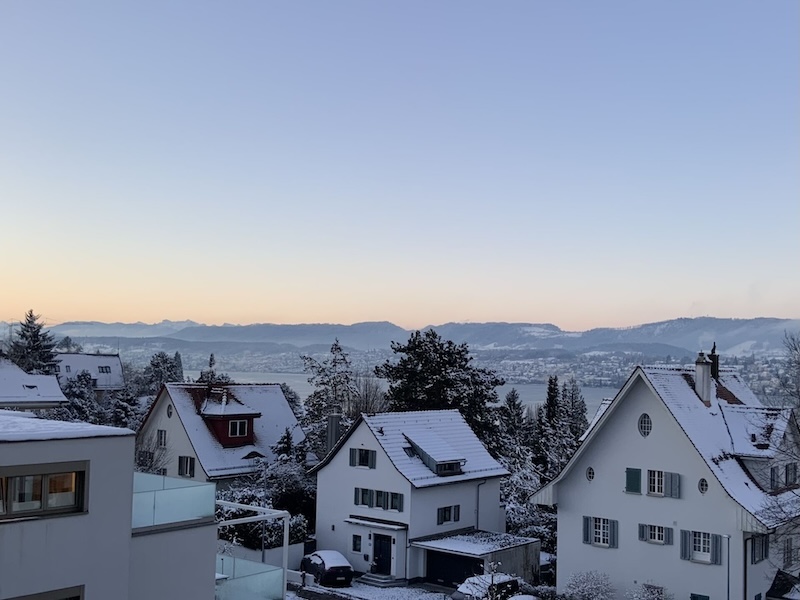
(702, 377)
(334, 429)
(714, 361)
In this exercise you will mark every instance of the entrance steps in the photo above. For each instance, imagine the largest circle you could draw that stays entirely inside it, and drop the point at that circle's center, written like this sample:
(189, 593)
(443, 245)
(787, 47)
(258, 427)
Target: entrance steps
(382, 581)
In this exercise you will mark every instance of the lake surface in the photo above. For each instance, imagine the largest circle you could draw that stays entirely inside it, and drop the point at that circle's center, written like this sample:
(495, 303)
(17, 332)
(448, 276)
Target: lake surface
(529, 393)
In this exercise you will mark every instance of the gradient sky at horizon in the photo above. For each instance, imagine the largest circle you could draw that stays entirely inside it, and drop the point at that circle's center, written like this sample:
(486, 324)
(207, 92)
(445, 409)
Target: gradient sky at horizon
(581, 163)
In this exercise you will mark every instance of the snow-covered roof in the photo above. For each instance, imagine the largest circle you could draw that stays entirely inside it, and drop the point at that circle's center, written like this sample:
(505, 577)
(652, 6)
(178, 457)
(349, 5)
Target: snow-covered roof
(477, 586)
(253, 399)
(392, 431)
(105, 369)
(601, 409)
(222, 402)
(18, 389)
(25, 429)
(473, 543)
(432, 444)
(732, 426)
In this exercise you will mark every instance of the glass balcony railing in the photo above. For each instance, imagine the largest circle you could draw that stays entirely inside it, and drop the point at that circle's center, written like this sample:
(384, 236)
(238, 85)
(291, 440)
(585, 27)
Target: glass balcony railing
(161, 500)
(240, 579)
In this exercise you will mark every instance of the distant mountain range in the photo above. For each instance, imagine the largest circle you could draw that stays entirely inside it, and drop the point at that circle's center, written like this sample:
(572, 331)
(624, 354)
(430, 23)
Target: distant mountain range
(678, 336)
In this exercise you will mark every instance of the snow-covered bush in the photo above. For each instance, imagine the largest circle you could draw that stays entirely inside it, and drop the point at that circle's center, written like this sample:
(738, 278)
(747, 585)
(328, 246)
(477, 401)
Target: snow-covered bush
(648, 591)
(589, 585)
(546, 592)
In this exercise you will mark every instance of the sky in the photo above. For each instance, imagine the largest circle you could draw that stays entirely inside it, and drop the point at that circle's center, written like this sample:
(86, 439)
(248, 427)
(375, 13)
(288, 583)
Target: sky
(579, 163)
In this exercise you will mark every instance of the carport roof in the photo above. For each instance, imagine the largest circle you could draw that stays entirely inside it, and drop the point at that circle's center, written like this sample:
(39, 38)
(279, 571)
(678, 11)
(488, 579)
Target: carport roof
(478, 544)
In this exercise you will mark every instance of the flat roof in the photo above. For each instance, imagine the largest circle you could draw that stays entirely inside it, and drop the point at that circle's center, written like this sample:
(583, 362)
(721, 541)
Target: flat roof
(26, 429)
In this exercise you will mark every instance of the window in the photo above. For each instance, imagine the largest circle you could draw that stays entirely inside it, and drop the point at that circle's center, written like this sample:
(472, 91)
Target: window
(633, 481)
(42, 490)
(381, 499)
(361, 457)
(759, 550)
(700, 546)
(645, 425)
(237, 428)
(57, 368)
(448, 468)
(655, 483)
(698, 597)
(396, 502)
(104, 369)
(186, 466)
(169, 411)
(68, 369)
(589, 473)
(161, 437)
(702, 485)
(790, 473)
(448, 514)
(599, 531)
(774, 478)
(655, 534)
(356, 547)
(788, 557)
(364, 497)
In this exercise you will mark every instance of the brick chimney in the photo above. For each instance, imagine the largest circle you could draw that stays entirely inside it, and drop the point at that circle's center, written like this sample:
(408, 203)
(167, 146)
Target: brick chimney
(702, 377)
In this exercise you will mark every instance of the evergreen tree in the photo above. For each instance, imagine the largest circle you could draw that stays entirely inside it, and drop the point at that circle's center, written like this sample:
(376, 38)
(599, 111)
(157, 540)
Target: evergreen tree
(124, 410)
(160, 370)
(210, 375)
(293, 399)
(575, 408)
(177, 366)
(82, 405)
(553, 432)
(67, 345)
(432, 373)
(33, 349)
(334, 387)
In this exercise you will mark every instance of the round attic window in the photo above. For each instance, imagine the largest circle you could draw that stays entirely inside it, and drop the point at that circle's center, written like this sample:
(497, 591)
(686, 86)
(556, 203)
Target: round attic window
(645, 425)
(169, 411)
(702, 485)
(589, 473)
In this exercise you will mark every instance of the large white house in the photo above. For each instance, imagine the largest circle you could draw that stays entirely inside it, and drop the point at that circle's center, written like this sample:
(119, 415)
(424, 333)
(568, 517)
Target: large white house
(682, 481)
(214, 433)
(415, 495)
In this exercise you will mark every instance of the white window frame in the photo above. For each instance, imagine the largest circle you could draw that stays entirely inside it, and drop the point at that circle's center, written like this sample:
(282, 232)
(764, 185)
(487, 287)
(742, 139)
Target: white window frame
(161, 438)
(601, 531)
(186, 466)
(353, 544)
(237, 428)
(655, 534)
(655, 483)
(701, 546)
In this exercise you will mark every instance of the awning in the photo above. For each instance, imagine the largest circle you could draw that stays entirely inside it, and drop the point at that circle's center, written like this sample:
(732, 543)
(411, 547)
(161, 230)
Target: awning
(375, 525)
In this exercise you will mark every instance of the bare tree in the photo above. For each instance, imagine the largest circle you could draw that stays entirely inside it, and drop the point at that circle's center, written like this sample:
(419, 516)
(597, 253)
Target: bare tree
(151, 456)
(370, 396)
(790, 380)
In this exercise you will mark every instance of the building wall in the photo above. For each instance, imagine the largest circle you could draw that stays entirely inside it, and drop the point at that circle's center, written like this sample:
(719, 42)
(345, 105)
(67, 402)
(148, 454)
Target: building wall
(91, 549)
(469, 495)
(178, 443)
(619, 445)
(156, 574)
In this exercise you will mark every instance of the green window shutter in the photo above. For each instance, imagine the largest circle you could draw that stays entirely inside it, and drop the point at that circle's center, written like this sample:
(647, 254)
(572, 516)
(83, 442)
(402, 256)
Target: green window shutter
(372, 457)
(371, 498)
(353, 457)
(613, 534)
(672, 485)
(716, 549)
(686, 544)
(668, 536)
(400, 503)
(439, 516)
(357, 496)
(457, 512)
(642, 532)
(633, 481)
(587, 530)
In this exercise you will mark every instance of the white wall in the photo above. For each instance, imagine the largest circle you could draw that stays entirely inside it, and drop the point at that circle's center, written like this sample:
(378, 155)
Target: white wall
(92, 549)
(617, 446)
(178, 443)
(179, 563)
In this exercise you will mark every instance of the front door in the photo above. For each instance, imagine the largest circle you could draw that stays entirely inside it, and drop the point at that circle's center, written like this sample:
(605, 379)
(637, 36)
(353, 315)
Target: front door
(382, 554)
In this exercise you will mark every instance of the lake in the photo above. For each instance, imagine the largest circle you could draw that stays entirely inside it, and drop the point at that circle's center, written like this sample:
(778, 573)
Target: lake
(529, 393)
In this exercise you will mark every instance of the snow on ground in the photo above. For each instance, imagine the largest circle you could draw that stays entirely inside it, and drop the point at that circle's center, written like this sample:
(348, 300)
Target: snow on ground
(368, 592)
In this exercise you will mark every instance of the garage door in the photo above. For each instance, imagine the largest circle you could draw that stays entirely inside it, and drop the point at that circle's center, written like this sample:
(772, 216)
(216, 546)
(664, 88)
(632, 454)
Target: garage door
(450, 570)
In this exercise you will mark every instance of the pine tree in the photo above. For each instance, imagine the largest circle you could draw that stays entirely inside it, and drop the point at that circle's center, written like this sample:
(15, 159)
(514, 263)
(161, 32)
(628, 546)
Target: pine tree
(124, 411)
(210, 375)
(433, 374)
(82, 405)
(575, 407)
(33, 349)
(161, 370)
(177, 366)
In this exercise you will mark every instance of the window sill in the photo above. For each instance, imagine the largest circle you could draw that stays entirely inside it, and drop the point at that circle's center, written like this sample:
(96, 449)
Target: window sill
(655, 494)
(654, 542)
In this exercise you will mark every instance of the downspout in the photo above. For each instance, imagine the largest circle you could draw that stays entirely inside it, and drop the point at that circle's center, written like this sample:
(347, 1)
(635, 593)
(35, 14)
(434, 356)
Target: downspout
(478, 505)
(744, 569)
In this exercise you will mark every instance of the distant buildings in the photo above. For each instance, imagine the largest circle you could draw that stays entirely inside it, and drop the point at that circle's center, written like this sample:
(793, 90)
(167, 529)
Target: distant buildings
(105, 370)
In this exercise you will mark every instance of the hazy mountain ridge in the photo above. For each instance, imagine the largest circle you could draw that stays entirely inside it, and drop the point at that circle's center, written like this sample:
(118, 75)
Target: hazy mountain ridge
(686, 335)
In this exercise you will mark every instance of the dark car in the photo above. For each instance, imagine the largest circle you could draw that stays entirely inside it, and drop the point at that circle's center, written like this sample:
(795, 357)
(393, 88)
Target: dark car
(328, 567)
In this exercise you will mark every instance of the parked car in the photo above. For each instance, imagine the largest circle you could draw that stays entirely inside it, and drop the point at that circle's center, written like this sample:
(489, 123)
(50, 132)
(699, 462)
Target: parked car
(328, 567)
(497, 586)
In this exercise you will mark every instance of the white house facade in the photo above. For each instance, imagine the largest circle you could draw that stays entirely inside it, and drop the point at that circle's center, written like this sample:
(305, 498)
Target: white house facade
(671, 487)
(105, 370)
(398, 485)
(214, 433)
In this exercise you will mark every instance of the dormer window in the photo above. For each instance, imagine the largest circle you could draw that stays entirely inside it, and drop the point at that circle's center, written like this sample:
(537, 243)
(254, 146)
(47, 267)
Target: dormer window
(448, 468)
(237, 428)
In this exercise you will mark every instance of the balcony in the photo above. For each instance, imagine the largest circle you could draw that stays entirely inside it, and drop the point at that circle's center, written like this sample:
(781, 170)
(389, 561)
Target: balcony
(240, 579)
(161, 502)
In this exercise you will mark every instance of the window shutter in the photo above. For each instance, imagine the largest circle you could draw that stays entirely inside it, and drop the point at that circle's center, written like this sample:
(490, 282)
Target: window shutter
(672, 485)
(668, 536)
(633, 481)
(357, 496)
(457, 512)
(439, 516)
(716, 549)
(353, 457)
(613, 535)
(587, 530)
(642, 532)
(399, 502)
(686, 544)
(371, 498)
(372, 456)
(766, 546)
